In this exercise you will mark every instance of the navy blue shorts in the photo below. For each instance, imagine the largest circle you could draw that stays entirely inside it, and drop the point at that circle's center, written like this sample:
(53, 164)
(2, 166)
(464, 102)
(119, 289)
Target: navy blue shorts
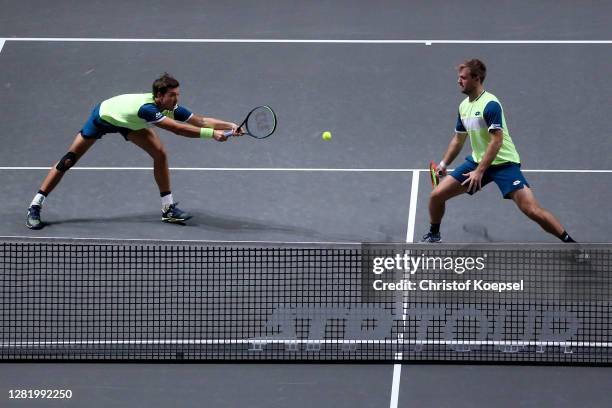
(96, 127)
(507, 176)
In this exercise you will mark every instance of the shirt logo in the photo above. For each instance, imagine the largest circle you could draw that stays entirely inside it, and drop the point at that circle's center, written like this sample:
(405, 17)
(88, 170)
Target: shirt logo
(477, 114)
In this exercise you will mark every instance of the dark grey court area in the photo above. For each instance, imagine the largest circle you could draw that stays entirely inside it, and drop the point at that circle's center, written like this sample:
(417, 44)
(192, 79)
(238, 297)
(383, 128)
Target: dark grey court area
(389, 106)
(510, 386)
(226, 205)
(308, 385)
(319, 19)
(211, 385)
(295, 207)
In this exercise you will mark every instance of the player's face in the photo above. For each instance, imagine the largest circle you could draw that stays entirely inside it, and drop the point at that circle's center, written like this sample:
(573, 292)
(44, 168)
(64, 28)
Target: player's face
(466, 81)
(170, 99)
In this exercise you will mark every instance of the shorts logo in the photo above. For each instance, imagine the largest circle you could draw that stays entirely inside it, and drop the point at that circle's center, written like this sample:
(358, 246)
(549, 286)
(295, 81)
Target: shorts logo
(158, 115)
(516, 182)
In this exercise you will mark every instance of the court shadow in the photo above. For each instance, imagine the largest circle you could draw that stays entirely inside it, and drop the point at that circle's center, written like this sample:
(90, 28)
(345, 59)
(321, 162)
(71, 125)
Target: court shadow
(123, 219)
(479, 231)
(221, 222)
(210, 221)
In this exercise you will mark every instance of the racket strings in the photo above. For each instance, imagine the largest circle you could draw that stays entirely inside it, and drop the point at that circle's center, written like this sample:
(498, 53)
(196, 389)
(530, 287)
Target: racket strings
(261, 122)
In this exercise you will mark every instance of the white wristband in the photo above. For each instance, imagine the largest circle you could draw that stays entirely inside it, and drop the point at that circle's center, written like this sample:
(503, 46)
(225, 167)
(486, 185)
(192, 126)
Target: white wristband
(442, 164)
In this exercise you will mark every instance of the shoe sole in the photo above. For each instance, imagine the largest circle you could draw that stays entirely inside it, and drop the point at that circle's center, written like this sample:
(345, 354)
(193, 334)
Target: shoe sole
(35, 227)
(171, 220)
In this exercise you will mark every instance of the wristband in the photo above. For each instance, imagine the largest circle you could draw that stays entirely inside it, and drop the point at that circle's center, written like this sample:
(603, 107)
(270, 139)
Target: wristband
(442, 164)
(206, 133)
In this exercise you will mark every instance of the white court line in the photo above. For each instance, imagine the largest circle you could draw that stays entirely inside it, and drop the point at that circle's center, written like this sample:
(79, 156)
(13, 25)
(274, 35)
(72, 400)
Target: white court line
(1, 45)
(414, 193)
(162, 342)
(395, 386)
(299, 41)
(296, 169)
(397, 368)
(163, 241)
(223, 242)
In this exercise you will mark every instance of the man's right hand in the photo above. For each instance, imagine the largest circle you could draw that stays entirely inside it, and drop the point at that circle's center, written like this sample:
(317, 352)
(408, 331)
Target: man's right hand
(219, 135)
(442, 169)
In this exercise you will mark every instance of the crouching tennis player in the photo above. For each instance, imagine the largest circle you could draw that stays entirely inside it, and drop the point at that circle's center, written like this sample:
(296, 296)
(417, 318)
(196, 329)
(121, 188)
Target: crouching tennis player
(133, 116)
(494, 157)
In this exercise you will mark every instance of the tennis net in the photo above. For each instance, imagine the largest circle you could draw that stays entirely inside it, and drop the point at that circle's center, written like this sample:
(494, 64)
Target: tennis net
(114, 300)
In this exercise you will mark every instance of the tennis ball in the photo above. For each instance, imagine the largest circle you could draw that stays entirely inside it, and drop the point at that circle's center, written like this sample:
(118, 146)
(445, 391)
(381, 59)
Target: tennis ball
(326, 135)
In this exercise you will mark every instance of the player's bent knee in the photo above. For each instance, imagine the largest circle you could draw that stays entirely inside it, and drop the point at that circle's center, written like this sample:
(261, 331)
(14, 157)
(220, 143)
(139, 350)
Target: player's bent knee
(442, 193)
(66, 162)
(437, 195)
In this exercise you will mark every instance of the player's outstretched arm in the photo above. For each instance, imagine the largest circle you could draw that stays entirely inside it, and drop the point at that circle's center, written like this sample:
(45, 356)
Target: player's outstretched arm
(206, 122)
(188, 130)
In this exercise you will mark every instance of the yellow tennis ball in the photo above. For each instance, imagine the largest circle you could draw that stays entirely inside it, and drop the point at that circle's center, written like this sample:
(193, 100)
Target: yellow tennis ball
(326, 135)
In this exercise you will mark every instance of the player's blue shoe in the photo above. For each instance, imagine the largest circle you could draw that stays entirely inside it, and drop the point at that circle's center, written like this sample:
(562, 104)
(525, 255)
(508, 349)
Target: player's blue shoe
(174, 214)
(33, 218)
(431, 238)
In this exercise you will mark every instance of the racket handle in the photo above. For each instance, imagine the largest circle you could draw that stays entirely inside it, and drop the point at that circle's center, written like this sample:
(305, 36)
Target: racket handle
(228, 133)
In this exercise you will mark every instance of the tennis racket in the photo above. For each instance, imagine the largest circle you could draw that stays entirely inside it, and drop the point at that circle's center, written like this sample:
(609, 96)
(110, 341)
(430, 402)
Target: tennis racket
(259, 123)
(433, 174)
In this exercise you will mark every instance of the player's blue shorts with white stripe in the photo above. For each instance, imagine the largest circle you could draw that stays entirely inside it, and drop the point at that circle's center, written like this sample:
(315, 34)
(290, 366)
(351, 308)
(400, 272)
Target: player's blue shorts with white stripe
(96, 127)
(507, 176)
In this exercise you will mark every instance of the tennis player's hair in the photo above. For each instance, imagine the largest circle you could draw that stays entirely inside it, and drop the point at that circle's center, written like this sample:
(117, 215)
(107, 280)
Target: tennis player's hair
(477, 68)
(163, 83)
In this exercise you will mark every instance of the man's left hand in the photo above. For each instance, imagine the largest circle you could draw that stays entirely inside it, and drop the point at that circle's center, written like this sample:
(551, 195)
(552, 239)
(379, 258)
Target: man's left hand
(474, 180)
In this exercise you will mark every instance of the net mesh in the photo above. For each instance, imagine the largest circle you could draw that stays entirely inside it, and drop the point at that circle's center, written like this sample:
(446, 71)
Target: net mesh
(190, 301)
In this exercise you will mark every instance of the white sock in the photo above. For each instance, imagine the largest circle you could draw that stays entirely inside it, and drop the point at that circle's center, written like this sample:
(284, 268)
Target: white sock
(167, 200)
(38, 200)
